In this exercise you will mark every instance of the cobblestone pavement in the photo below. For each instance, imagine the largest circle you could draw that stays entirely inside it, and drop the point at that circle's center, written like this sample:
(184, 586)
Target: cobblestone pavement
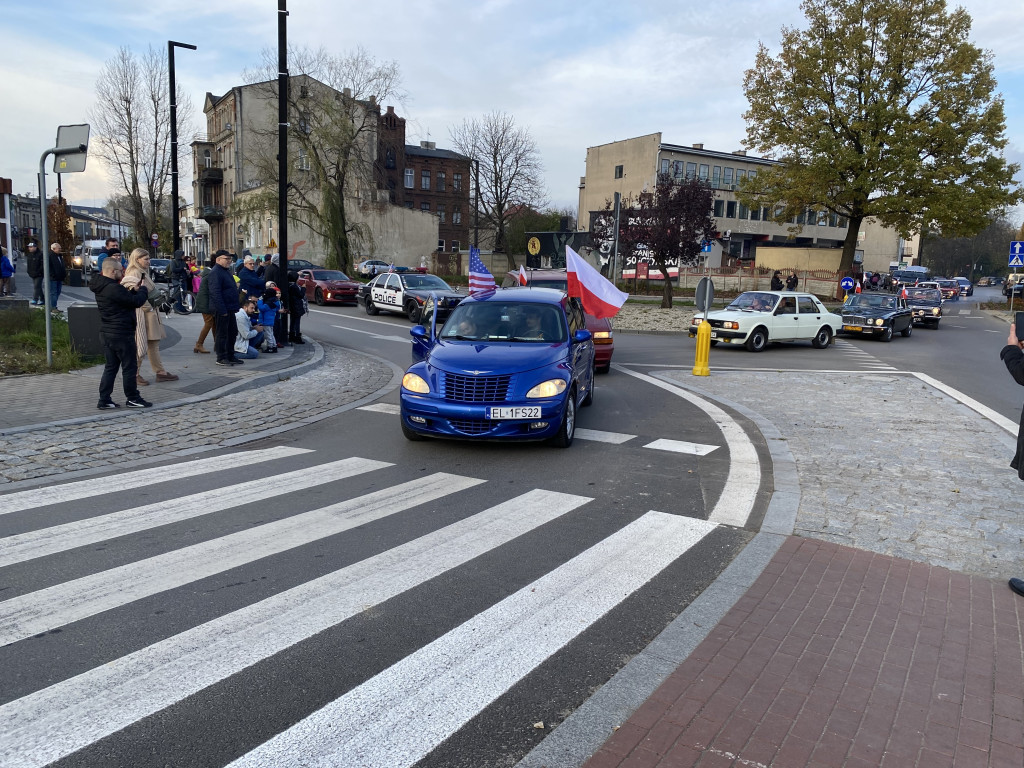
(344, 378)
(635, 316)
(935, 489)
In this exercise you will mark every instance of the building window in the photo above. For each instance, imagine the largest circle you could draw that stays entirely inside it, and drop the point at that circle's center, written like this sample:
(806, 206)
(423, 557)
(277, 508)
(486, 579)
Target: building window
(389, 158)
(741, 176)
(677, 169)
(440, 181)
(457, 182)
(743, 211)
(409, 178)
(800, 218)
(618, 171)
(441, 212)
(833, 220)
(730, 209)
(457, 216)
(727, 179)
(716, 175)
(455, 246)
(752, 174)
(440, 245)
(691, 170)
(408, 204)
(425, 180)
(425, 207)
(755, 214)
(664, 166)
(704, 171)
(719, 208)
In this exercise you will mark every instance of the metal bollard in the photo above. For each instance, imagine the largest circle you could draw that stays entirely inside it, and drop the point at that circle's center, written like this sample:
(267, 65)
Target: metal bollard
(700, 364)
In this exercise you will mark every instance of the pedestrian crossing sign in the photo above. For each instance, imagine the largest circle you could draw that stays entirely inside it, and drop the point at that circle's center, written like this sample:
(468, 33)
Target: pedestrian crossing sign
(1017, 253)
(1016, 260)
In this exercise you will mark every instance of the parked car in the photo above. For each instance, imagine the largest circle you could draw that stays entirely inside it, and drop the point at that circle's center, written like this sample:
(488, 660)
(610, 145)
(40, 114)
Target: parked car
(600, 327)
(297, 264)
(507, 365)
(878, 316)
(1014, 284)
(324, 285)
(407, 293)
(925, 305)
(990, 280)
(160, 270)
(966, 287)
(758, 318)
(372, 267)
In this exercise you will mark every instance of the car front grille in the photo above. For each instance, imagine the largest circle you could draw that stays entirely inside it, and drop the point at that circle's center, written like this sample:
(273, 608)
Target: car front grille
(854, 320)
(475, 389)
(471, 426)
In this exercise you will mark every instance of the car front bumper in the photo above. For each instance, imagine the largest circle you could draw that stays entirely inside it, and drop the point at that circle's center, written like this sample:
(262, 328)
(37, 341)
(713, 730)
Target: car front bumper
(722, 335)
(436, 417)
(865, 330)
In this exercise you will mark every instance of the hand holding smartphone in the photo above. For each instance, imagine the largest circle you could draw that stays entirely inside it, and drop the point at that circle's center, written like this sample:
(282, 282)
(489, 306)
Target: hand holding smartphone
(1019, 320)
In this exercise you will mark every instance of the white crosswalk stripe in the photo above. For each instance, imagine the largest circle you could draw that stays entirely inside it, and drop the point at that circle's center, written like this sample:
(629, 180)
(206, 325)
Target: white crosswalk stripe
(864, 360)
(396, 713)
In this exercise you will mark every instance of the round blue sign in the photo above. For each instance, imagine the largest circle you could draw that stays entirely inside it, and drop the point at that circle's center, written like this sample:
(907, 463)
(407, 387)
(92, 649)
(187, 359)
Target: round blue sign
(846, 283)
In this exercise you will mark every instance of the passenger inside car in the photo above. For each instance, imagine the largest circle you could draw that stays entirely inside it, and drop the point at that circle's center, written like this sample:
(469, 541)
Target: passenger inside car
(787, 306)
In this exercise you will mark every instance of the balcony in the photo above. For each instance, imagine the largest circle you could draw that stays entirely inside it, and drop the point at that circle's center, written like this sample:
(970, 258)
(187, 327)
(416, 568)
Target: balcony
(212, 213)
(211, 176)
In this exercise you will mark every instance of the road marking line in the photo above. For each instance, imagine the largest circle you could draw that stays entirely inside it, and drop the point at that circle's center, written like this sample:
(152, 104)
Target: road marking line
(681, 446)
(394, 410)
(374, 335)
(737, 498)
(971, 403)
(402, 714)
(63, 718)
(338, 316)
(60, 538)
(84, 489)
(603, 437)
(56, 606)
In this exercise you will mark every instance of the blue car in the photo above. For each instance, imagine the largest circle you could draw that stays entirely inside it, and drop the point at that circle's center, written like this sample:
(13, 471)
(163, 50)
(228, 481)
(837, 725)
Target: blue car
(507, 365)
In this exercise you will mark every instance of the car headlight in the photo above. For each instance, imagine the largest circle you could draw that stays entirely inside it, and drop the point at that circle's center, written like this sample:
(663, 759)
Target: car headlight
(731, 325)
(936, 310)
(549, 388)
(415, 383)
(879, 321)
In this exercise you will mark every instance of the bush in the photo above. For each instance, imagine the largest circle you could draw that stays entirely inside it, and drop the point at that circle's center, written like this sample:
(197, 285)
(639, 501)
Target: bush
(23, 344)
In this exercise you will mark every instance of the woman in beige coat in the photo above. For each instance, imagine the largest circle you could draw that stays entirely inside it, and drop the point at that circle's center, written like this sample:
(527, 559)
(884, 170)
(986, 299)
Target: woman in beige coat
(149, 328)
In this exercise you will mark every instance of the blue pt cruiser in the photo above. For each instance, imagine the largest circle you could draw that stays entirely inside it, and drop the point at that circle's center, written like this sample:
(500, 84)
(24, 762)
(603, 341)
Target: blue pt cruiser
(507, 365)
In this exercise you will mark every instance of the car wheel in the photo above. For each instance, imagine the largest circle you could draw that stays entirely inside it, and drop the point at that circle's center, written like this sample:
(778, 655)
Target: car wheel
(371, 308)
(757, 340)
(410, 435)
(887, 333)
(589, 399)
(318, 296)
(935, 325)
(822, 338)
(907, 331)
(568, 429)
(604, 368)
(714, 342)
(412, 309)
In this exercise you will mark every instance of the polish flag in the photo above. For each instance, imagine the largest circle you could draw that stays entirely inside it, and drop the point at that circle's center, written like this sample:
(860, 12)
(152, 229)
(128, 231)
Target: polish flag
(522, 275)
(598, 295)
(903, 293)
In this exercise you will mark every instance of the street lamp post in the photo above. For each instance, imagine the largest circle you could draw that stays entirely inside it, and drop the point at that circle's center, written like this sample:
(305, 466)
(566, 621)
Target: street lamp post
(175, 229)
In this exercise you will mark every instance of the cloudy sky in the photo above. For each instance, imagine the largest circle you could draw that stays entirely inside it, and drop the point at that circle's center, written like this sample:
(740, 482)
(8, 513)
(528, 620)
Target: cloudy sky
(575, 74)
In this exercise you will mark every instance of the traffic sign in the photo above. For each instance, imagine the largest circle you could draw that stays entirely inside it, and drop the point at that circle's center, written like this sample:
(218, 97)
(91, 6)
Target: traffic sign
(846, 283)
(1017, 253)
(706, 247)
(704, 294)
(72, 149)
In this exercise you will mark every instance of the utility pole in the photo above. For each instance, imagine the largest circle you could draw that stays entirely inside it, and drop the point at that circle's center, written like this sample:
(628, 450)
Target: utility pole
(282, 148)
(175, 226)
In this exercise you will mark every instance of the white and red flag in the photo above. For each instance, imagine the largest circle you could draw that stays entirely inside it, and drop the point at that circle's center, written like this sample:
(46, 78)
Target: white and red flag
(903, 292)
(522, 275)
(598, 295)
(857, 289)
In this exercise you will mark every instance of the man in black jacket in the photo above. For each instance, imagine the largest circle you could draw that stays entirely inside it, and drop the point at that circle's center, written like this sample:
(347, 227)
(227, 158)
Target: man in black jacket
(58, 271)
(179, 276)
(117, 305)
(34, 265)
(224, 303)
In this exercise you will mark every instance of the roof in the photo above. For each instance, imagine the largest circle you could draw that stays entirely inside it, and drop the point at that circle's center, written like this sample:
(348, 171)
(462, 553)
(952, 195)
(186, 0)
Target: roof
(447, 154)
(532, 296)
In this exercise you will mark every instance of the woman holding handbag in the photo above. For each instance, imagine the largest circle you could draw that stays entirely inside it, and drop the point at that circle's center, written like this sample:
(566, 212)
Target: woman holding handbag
(149, 328)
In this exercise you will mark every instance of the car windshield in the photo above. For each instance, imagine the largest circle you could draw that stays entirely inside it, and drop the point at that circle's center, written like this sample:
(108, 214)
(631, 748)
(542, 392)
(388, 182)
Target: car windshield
(947, 284)
(928, 294)
(329, 274)
(754, 301)
(874, 302)
(506, 321)
(428, 282)
(159, 262)
(550, 282)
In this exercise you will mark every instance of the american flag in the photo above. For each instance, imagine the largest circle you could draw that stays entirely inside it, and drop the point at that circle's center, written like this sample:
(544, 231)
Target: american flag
(480, 280)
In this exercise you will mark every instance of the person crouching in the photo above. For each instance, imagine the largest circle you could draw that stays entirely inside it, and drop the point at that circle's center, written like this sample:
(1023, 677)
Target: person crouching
(249, 339)
(268, 307)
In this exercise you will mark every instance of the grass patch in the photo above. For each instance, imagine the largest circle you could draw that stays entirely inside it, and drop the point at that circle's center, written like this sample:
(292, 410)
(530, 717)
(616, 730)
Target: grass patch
(1003, 306)
(23, 344)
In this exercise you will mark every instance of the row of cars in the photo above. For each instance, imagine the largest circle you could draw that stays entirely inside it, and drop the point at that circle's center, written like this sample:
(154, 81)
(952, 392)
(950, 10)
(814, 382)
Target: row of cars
(756, 319)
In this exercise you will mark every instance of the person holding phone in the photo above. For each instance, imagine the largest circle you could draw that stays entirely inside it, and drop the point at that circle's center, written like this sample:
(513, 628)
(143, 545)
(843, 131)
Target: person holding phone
(1013, 357)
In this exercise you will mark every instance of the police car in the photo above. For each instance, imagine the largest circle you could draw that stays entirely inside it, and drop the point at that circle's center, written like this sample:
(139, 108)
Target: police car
(408, 293)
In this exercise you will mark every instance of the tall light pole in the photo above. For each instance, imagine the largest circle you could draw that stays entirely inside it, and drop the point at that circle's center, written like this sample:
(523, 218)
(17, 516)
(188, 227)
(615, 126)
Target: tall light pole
(175, 228)
(282, 148)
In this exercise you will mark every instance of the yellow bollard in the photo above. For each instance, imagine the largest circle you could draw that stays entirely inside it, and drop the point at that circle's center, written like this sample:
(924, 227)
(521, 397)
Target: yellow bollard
(700, 364)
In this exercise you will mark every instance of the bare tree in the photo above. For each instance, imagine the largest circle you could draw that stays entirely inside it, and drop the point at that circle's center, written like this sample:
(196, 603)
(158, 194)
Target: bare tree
(132, 122)
(333, 110)
(510, 170)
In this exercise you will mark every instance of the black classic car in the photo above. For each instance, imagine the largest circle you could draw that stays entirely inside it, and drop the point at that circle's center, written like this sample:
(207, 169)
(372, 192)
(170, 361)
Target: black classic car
(876, 315)
(926, 305)
(408, 294)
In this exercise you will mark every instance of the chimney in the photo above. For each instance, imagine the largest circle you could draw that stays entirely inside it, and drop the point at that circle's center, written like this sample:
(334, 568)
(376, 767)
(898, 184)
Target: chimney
(740, 152)
(347, 92)
(428, 144)
(698, 146)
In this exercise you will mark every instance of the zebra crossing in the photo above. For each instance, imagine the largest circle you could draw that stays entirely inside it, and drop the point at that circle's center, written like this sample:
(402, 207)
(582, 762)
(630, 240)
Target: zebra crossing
(555, 577)
(857, 356)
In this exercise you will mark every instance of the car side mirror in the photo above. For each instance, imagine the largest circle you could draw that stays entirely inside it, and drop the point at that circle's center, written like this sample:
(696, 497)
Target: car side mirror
(420, 333)
(580, 336)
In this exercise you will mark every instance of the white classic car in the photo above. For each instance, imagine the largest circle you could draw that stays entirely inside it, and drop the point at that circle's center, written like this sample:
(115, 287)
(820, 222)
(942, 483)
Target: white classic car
(757, 318)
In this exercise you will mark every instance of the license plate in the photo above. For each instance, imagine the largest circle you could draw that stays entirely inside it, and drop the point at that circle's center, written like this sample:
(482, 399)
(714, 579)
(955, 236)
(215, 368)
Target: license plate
(518, 412)
(852, 328)
(714, 335)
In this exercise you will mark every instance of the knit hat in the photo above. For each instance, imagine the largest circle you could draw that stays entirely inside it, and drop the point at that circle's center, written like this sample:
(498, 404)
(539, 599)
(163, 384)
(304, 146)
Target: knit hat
(179, 253)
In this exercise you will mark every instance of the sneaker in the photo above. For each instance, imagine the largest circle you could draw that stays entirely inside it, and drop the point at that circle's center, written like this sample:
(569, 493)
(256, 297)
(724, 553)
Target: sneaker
(104, 405)
(138, 402)
(227, 363)
(236, 361)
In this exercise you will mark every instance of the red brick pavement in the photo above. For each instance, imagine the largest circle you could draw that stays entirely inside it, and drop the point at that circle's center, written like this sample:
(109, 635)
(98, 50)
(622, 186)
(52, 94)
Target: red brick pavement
(840, 658)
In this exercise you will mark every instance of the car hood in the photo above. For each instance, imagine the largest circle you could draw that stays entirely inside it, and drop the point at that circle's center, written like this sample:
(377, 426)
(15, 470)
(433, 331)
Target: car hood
(735, 314)
(492, 358)
(347, 285)
(868, 311)
(424, 293)
(923, 303)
